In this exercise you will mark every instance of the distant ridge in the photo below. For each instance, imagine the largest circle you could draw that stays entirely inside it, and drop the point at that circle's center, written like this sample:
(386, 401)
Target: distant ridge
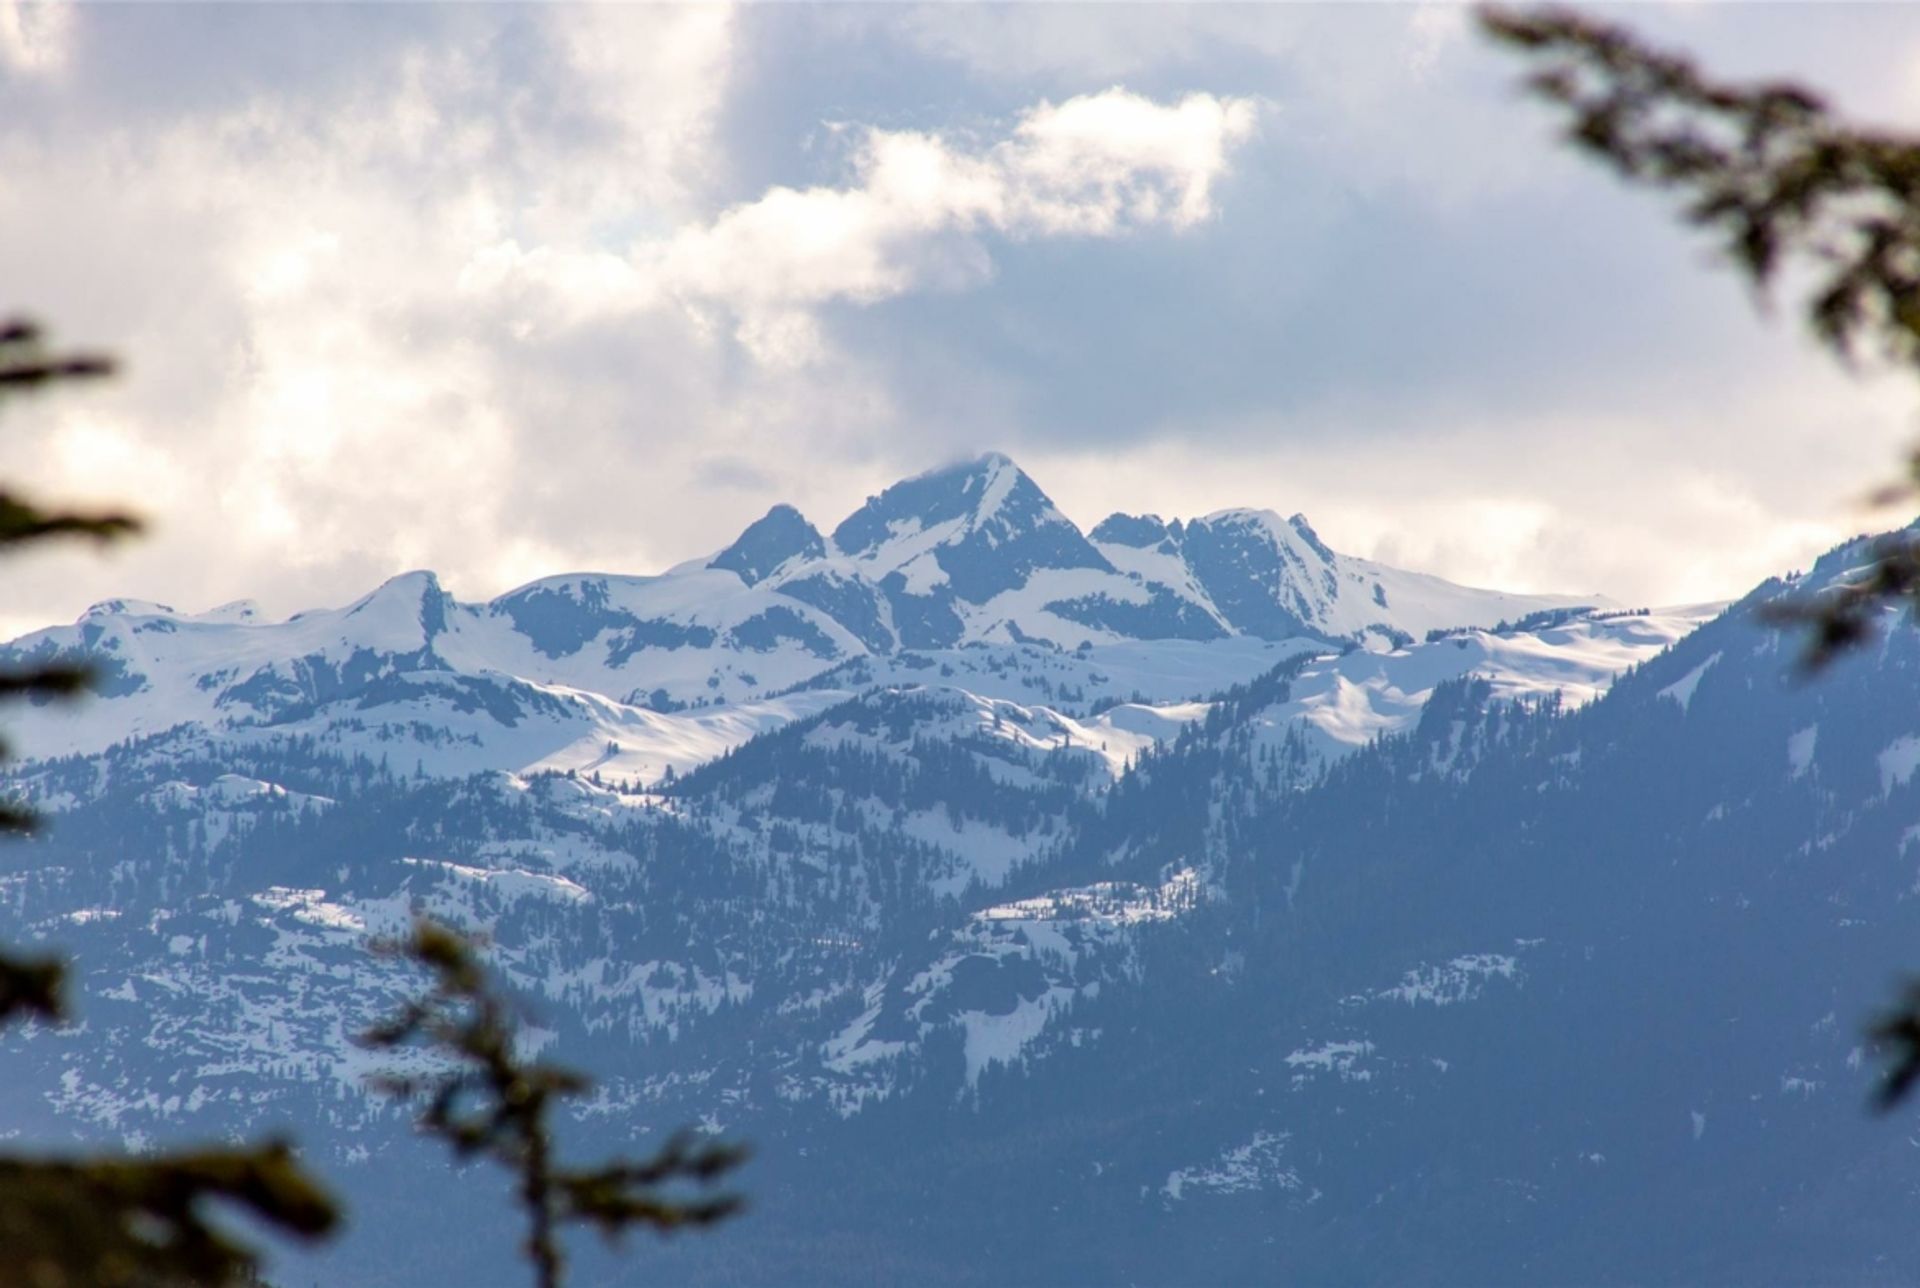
(974, 553)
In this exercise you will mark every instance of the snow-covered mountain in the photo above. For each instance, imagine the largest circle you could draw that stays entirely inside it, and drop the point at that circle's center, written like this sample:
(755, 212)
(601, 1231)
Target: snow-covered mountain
(1264, 576)
(1406, 926)
(604, 668)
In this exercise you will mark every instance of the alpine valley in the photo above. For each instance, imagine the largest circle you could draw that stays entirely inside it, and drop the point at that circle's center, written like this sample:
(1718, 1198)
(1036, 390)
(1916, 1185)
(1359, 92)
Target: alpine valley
(1169, 902)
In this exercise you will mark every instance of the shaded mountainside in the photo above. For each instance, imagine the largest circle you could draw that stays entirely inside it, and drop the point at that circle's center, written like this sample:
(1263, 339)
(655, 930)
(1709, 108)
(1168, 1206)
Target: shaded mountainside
(1492, 994)
(1448, 963)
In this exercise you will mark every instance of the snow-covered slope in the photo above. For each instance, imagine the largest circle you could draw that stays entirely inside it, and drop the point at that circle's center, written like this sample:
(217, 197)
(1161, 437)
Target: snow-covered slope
(1160, 931)
(1349, 701)
(406, 669)
(924, 574)
(1274, 578)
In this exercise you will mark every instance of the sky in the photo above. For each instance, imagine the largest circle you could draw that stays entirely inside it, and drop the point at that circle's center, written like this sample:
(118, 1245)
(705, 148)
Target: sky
(506, 292)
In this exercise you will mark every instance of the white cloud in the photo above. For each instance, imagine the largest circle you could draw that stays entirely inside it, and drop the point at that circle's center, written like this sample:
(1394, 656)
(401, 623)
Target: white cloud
(311, 403)
(470, 308)
(34, 36)
(1654, 509)
(1096, 165)
(507, 291)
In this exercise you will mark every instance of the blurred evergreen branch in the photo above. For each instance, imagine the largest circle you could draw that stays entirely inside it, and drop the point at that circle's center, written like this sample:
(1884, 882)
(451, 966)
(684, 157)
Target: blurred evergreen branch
(103, 1222)
(106, 1220)
(492, 1102)
(26, 364)
(1776, 178)
(1898, 1035)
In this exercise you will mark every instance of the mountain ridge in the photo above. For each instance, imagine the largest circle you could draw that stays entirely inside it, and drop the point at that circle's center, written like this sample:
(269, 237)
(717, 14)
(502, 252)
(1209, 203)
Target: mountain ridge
(982, 525)
(973, 555)
(1278, 963)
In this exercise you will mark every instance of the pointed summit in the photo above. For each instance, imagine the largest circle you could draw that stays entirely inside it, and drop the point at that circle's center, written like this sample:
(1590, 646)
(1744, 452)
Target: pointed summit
(980, 527)
(779, 537)
(1275, 578)
(964, 492)
(1137, 530)
(1266, 576)
(401, 604)
(127, 608)
(1305, 532)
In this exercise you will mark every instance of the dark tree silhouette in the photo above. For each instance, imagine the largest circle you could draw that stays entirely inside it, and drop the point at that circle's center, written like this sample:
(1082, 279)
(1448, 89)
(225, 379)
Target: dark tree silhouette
(1771, 172)
(491, 1101)
(101, 1221)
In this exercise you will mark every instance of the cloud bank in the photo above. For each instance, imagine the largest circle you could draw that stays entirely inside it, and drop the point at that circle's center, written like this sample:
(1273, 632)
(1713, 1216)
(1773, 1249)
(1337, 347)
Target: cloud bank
(511, 291)
(467, 307)
(907, 218)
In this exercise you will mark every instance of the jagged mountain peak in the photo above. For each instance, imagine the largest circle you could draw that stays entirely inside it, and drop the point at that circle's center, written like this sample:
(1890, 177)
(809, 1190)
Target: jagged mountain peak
(969, 493)
(1305, 532)
(973, 553)
(1138, 531)
(126, 608)
(1142, 531)
(1275, 578)
(1253, 518)
(977, 528)
(417, 594)
(779, 537)
(239, 612)
(1293, 531)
